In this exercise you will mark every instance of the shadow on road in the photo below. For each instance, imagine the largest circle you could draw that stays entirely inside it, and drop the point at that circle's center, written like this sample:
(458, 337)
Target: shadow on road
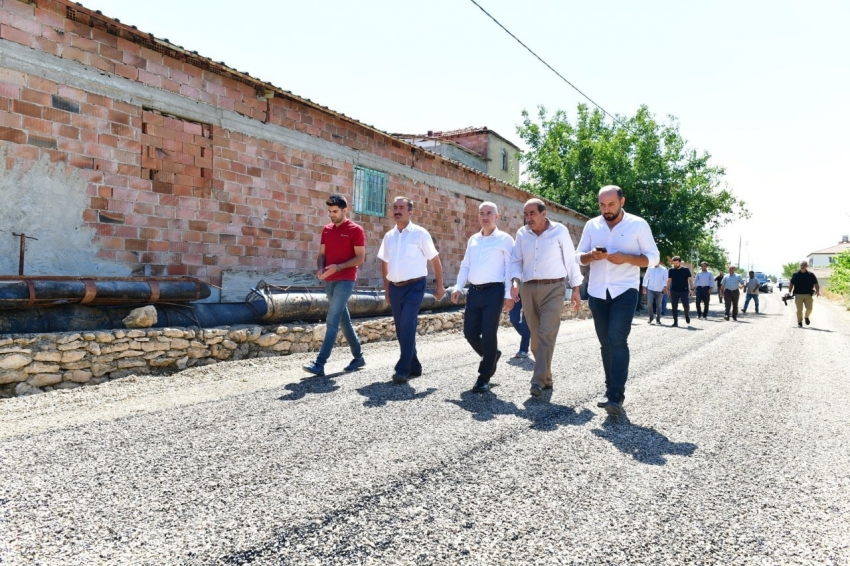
(644, 444)
(310, 385)
(819, 329)
(380, 393)
(523, 363)
(542, 415)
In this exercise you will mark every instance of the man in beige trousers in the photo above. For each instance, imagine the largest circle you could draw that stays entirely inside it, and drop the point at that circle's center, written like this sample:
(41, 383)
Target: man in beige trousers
(543, 260)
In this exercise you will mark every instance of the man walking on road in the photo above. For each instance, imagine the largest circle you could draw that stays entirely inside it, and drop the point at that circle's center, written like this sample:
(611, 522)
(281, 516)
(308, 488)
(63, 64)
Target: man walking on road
(719, 282)
(752, 288)
(517, 319)
(804, 286)
(616, 245)
(341, 251)
(655, 288)
(486, 266)
(703, 282)
(543, 261)
(404, 253)
(731, 284)
(680, 282)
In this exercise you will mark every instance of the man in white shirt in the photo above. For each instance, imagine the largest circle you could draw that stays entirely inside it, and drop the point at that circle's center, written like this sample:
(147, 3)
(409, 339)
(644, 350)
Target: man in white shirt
(404, 253)
(486, 266)
(731, 288)
(655, 288)
(704, 283)
(616, 245)
(541, 260)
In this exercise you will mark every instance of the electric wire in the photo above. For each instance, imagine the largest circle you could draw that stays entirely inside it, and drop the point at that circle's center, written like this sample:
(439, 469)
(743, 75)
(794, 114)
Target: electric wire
(574, 87)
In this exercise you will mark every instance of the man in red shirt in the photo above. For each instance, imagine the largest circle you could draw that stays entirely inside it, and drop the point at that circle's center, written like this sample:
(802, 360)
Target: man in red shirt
(343, 248)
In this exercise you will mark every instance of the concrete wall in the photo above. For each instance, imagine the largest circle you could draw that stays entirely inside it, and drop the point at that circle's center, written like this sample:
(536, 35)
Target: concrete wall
(124, 155)
(494, 148)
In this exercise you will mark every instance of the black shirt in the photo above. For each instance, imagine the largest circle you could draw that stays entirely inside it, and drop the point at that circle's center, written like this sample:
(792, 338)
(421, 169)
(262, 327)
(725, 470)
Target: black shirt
(804, 283)
(679, 279)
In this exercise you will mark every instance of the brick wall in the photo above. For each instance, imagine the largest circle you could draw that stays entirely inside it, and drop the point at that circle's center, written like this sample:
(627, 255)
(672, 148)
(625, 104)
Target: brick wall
(477, 142)
(172, 196)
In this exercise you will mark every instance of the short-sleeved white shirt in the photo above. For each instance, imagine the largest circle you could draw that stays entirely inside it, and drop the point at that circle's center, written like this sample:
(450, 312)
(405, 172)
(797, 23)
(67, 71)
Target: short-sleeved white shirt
(407, 252)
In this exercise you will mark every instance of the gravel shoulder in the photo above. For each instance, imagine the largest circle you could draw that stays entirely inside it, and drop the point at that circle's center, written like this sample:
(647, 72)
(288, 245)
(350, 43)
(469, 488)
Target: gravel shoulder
(735, 452)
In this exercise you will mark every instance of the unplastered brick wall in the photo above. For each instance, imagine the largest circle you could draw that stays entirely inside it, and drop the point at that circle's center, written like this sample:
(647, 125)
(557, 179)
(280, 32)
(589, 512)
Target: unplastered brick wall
(170, 195)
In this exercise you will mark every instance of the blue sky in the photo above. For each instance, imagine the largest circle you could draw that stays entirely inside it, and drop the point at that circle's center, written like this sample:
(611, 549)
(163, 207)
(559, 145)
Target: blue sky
(761, 85)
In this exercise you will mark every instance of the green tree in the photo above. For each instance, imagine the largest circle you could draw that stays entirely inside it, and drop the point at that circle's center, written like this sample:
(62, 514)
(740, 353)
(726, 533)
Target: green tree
(673, 187)
(789, 269)
(839, 281)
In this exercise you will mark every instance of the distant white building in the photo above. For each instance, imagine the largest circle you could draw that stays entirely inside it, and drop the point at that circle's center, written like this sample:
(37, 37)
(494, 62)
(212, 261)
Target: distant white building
(825, 257)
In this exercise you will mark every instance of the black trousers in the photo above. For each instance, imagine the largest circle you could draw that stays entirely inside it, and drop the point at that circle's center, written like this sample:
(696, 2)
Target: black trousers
(703, 293)
(481, 325)
(685, 297)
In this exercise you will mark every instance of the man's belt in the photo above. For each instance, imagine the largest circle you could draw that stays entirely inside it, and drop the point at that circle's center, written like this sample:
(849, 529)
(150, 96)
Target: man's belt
(703, 286)
(486, 286)
(543, 281)
(408, 282)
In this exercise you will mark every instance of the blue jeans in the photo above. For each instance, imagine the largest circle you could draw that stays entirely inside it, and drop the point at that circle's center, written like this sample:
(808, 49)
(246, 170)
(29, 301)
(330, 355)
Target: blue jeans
(481, 325)
(612, 318)
(519, 324)
(654, 303)
(405, 302)
(754, 297)
(338, 293)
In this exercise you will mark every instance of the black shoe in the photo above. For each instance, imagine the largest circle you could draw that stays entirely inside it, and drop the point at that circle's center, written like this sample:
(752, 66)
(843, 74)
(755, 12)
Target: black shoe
(687, 319)
(481, 386)
(614, 409)
(398, 378)
(675, 323)
(735, 318)
(808, 322)
(355, 364)
(601, 404)
(800, 324)
(536, 391)
(416, 373)
(658, 320)
(315, 369)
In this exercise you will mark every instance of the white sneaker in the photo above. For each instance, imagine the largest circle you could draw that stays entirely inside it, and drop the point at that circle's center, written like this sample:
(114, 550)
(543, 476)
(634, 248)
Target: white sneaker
(521, 354)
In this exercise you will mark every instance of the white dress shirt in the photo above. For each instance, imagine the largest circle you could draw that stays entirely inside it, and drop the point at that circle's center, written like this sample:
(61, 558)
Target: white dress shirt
(631, 235)
(704, 279)
(487, 260)
(655, 278)
(407, 252)
(547, 256)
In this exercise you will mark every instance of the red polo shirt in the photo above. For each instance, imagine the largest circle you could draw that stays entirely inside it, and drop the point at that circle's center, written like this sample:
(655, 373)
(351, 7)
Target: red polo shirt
(339, 242)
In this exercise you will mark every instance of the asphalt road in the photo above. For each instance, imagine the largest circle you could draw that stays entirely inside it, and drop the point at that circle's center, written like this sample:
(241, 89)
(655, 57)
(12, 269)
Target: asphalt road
(736, 451)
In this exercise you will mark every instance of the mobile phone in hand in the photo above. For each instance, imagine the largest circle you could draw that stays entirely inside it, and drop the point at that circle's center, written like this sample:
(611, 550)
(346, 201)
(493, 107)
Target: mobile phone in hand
(601, 249)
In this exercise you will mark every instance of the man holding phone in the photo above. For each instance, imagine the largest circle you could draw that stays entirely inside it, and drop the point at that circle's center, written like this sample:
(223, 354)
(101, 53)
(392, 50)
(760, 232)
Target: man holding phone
(616, 245)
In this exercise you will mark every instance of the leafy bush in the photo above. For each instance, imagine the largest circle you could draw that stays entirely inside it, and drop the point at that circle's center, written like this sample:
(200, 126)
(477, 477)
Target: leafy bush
(839, 281)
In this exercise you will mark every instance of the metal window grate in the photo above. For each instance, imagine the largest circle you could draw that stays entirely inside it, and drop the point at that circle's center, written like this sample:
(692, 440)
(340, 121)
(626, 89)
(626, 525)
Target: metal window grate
(370, 191)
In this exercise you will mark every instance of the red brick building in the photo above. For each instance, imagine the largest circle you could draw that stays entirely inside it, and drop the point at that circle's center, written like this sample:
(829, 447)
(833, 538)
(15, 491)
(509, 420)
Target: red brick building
(125, 154)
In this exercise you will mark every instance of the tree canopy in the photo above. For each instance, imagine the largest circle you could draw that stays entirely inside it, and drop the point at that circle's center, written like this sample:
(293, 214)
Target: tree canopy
(673, 187)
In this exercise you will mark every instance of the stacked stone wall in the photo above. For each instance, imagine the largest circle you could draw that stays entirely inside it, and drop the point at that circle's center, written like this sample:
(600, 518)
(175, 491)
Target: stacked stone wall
(37, 363)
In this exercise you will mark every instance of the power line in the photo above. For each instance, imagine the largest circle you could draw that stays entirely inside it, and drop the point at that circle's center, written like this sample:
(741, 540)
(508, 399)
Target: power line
(574, 87)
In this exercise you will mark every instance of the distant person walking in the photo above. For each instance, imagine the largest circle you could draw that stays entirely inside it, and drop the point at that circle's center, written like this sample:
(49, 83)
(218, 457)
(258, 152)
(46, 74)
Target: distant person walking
(517, 319)
(804, 286)
(486, 266)
(703, 282)
(342, 249)
(719, 283)
(543, 261)
(616, 244)
(731, 285)
(655, 289)
(680, 282)
(405, 253)
(752, 288)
